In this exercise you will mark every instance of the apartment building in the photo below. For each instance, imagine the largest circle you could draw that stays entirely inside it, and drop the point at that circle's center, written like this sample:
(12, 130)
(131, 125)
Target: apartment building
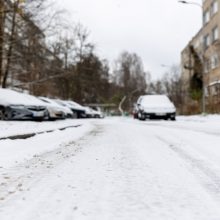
(201, 59)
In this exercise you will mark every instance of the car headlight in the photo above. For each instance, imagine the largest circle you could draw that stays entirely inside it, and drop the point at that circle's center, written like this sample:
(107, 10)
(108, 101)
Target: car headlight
(17, 106)
(141, 108)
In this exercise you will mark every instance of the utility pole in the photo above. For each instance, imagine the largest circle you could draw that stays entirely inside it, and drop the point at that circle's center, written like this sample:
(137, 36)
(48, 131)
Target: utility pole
(1, 38)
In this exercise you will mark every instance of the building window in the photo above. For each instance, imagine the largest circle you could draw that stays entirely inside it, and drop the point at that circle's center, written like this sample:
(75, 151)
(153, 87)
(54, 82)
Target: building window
(206, 66)
(206, 17)
(214, 61)
(214, 89)
(215, 34)
(214, 7)
(206, 41)
(206, 91)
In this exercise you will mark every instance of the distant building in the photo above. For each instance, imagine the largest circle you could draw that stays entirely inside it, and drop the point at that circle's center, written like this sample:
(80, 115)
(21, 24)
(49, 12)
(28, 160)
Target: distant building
(31, 60)
(201, 60)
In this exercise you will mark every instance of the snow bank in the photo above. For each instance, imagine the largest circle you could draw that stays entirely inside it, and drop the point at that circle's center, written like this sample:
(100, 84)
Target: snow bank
(200, 118)
(9, 128)
(16, 151)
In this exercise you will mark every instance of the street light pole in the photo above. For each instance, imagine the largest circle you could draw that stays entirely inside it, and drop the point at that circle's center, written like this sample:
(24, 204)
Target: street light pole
(203, 80)
(191, 3)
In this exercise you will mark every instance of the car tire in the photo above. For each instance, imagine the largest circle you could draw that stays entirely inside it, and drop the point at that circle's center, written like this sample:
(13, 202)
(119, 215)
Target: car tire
(75, 115)
(141, 116)
(1, 114)
(4, 115)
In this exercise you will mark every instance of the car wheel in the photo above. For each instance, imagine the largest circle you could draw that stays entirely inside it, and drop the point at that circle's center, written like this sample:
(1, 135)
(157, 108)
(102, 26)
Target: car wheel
(141, 116)
(76, 115)
(4, 115)
(1, 114)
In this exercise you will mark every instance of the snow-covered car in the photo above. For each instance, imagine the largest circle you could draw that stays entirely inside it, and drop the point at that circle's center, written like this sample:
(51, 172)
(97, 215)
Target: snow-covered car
(89, 112)
(77, 110)
(18, 106)
(56, 111)
(155, 106)
(94, 113)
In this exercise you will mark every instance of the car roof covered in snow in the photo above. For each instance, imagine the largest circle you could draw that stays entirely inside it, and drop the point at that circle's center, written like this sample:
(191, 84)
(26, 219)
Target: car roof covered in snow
(11, 97)
(152, 100)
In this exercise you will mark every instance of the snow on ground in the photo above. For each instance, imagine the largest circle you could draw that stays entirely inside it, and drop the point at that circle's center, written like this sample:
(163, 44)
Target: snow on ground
(16, 151)
(207, 124)
(9, 128)
(200, 118)
(118, 169)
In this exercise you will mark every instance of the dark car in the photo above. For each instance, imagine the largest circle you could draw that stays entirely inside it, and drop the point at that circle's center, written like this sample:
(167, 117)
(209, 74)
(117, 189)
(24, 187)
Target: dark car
(18, 106)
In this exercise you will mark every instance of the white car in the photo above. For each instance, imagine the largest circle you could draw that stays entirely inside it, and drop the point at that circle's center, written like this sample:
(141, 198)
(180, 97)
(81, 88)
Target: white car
(155, 106)
(55, 110)
(92, 113)
(98, 113)
(77, 110)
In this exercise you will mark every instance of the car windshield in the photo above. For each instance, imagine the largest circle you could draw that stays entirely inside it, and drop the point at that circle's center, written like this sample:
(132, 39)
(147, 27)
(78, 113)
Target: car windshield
(155, 100)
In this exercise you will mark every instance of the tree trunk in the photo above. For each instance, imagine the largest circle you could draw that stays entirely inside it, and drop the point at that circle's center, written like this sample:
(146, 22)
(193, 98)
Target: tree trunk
(1, 38)
(11, 42)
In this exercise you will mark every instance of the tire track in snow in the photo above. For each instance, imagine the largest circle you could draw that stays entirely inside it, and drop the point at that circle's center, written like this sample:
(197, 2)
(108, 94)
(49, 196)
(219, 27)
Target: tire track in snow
(184, 128)
(171, 125)
(208, 176)
(21, 178)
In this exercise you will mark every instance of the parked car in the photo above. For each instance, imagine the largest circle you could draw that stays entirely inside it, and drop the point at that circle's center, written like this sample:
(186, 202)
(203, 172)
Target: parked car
(94, 113)
(18, 106)
(89, 112)
(77, 109)
(155, 106)
(56, 111)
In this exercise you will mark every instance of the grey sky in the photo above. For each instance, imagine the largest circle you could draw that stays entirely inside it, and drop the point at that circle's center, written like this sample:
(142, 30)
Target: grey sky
(157, 30)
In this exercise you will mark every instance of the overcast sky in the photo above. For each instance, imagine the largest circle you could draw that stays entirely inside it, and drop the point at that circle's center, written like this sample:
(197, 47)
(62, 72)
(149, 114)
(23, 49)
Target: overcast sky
(157, 30)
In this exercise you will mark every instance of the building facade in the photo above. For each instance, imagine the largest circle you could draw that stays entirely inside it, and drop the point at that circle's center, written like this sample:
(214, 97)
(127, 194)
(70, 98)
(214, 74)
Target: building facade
(200, 61)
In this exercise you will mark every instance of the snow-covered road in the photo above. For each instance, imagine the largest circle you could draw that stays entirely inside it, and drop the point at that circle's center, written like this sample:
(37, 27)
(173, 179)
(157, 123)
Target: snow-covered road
(117, 169)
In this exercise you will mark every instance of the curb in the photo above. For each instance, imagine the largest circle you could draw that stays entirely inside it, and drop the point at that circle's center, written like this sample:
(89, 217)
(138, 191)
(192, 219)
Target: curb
(29, 135)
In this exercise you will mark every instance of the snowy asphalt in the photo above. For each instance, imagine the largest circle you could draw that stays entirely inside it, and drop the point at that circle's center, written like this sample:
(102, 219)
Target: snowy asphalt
(114, 169)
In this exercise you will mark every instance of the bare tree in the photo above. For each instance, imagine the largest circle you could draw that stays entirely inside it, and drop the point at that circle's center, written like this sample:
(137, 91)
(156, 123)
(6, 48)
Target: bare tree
(1, 37)
(14, 11)
(170, 84)
(130, 76)
(173, 86)
(24, 42)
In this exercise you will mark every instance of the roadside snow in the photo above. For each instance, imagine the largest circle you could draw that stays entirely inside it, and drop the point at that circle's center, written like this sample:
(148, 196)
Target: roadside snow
(16, 151)
(200, 118)
(9, 128)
